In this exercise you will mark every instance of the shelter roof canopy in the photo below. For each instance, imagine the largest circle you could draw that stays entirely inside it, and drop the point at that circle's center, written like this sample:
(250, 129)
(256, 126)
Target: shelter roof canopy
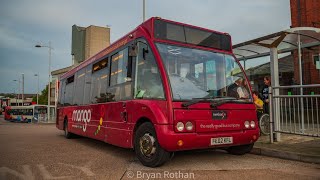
(284, 41)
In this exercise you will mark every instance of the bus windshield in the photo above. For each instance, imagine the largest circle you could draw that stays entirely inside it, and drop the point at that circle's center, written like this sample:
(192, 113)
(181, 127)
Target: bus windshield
(195, 73)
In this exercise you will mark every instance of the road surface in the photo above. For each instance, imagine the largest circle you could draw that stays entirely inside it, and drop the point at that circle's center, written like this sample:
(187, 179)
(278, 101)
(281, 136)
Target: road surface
(33, 151)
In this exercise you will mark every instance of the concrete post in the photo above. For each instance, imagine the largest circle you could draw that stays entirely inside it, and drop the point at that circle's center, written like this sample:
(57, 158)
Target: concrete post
(301, 83)
(274, 83)
(22, 89)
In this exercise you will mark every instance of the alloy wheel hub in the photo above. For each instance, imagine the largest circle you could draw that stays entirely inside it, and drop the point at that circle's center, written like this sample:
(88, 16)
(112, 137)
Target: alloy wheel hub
(147, 145)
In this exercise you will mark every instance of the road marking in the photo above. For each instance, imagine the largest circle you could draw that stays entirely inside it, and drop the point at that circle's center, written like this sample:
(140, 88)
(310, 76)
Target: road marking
(27, 173)
(47, 175)
(86, 170)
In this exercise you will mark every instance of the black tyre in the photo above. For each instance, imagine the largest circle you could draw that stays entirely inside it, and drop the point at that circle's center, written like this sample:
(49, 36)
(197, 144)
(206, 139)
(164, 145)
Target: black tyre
(240, 150)
(67, 134)
(264, 124)
(147, 148)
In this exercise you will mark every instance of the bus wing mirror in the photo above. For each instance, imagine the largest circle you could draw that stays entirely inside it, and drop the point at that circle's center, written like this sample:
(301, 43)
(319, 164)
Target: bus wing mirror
(144, 52)
(129, 69)
(143, 48)
(133, 51)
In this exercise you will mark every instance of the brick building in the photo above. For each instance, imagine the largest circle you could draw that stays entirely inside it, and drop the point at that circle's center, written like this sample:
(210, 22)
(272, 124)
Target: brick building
(306, 13)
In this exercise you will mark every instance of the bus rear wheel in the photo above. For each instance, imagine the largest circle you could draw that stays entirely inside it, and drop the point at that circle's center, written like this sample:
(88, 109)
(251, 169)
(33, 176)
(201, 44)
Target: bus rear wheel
(147, 148)
(67, 134)
(240, 150)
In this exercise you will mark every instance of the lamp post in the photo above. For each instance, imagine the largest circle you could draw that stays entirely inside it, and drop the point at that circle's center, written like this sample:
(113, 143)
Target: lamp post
(144, 10)
(49, 80)
(18, 96)
(37, 88)
(22, 89)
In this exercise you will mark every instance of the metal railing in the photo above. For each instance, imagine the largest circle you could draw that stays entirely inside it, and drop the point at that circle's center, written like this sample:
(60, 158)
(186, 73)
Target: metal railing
(298, 112)
(43, 118)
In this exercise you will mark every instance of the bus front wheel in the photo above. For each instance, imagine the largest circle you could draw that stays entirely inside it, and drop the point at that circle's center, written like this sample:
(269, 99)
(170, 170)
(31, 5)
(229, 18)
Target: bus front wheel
(147, 148)
(240, 150)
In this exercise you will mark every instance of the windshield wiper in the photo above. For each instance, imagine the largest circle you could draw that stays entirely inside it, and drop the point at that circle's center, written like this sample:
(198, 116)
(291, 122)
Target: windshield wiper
(229, 100)
(213, 100)
(194, 101)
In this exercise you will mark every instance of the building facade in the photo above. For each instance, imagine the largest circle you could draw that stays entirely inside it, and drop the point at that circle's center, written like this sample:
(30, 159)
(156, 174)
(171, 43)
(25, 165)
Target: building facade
(86, 42)
(306, 13)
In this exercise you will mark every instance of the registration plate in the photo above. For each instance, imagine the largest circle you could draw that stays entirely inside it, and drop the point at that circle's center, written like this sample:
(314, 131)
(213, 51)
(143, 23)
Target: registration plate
(221, 140)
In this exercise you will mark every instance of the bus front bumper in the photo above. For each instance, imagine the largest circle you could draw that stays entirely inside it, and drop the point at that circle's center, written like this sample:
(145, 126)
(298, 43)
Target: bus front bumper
(173, 141)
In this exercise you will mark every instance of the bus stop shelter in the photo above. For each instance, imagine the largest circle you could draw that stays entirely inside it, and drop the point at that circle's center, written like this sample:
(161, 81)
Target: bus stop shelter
(272, 45)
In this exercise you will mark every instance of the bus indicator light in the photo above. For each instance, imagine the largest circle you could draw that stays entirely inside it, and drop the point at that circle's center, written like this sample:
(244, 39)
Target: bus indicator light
(180, 143)
(254, 137)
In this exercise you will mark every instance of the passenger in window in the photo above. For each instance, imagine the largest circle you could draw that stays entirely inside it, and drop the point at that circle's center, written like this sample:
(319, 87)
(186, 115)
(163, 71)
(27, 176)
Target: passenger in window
(244, 89)
(238, 89)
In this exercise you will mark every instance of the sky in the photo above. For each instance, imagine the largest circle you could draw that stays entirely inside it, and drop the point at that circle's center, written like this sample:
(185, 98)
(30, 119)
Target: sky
(25, 23)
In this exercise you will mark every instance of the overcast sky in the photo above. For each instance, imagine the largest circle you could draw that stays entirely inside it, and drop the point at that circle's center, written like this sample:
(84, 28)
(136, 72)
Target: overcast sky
(25, 23)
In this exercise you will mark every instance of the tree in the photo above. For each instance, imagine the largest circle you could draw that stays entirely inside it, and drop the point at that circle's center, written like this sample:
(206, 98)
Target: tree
(43, 98)
(10, 95)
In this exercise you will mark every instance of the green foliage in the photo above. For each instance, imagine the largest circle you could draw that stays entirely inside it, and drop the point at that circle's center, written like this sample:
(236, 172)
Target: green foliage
(10, 95)
(43, 98)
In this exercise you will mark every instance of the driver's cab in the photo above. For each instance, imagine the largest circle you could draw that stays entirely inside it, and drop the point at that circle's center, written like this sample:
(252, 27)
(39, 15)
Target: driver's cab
(148, 82)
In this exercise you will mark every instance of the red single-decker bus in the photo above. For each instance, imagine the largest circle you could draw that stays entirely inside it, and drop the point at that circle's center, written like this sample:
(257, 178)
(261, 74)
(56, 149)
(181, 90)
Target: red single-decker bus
(163, 87)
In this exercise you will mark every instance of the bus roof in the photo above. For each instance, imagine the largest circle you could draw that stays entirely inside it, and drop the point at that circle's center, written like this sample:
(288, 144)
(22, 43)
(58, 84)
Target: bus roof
(28, 107)
(146, 28)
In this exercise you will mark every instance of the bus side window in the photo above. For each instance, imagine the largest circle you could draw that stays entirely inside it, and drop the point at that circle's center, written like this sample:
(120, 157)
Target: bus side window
(87, 85)
(68, 98)
(99, 81)
(79, 84)
(61, 92)
(120, 83)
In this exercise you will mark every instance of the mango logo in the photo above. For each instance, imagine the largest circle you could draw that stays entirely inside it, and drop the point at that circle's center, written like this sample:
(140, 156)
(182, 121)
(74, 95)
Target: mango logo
(82, 116)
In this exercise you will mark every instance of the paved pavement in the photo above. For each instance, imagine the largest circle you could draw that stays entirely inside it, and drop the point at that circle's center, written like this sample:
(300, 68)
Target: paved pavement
(40, 151)
(293, 147)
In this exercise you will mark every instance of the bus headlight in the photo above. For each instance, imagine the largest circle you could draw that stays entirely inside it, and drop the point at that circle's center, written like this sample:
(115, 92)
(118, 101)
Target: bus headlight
(180, 126)
(189, 126)
(246, 124)
(252, 124)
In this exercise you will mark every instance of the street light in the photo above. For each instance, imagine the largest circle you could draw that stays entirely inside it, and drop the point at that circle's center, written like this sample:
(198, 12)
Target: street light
(49, 86)
(144, 10)
(37, 88)
(22, 89)
(18, 96)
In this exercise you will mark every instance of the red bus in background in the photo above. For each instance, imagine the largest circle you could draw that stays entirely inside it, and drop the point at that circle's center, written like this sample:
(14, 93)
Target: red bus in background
(4, 102)
(7, 113)
(164, 87)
